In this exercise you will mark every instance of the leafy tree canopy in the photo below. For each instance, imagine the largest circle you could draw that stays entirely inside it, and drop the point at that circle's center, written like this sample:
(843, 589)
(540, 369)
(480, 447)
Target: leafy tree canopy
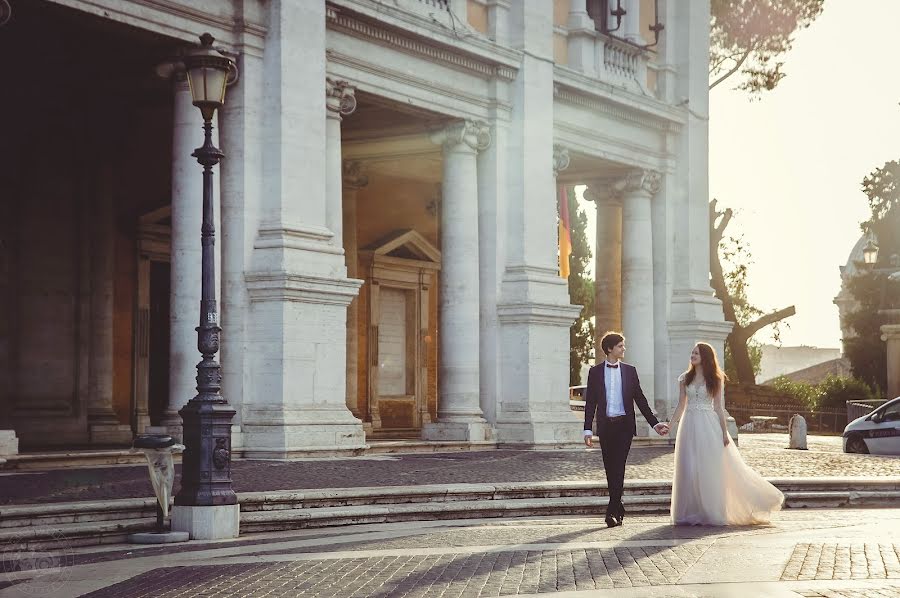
(749, 38)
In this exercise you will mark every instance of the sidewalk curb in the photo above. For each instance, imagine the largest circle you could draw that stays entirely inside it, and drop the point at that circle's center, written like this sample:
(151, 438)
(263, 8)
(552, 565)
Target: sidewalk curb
(101, 522)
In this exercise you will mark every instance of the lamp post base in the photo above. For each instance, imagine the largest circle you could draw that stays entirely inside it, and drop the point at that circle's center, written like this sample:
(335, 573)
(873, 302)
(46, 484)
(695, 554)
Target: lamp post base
(207, 523)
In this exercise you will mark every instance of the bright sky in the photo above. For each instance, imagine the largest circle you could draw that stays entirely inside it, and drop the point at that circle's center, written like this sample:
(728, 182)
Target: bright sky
(791, 163)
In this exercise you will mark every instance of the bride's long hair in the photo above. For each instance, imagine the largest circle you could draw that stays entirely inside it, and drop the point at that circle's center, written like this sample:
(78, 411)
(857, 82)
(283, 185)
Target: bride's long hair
(712, 373)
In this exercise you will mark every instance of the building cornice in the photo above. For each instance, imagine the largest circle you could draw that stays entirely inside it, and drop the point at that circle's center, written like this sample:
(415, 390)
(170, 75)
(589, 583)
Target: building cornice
(235, 31)
(577, 89)
(413, 34)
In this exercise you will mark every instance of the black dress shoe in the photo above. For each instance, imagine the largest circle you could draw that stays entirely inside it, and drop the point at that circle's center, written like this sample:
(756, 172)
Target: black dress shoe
(612, 521)
(621, 516)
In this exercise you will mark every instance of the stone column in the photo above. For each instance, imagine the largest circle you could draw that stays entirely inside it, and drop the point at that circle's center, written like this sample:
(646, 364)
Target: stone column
(581, 38)
(187, 215)
(631, 22)
(533, 308)
(239, 171)
(694, 313)
(638, 189)
(353, 180)
(498, 20)
(339, 100)
(607, 259)
(297, 282)
(104, 426)
(890, 334)
(459, 410)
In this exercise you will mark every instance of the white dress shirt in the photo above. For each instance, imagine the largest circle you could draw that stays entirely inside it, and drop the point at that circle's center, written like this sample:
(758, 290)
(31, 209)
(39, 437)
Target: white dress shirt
(612, 381)
(615, 404)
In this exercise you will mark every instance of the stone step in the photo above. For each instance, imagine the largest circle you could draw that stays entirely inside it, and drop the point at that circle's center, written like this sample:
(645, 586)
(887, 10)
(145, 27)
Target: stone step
(88, 523)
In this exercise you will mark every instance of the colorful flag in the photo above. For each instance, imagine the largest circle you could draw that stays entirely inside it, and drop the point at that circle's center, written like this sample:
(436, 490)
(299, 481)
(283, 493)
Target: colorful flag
(565, 239)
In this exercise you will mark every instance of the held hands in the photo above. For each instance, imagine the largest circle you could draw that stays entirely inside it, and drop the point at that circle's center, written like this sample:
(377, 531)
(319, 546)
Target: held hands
(661, 428)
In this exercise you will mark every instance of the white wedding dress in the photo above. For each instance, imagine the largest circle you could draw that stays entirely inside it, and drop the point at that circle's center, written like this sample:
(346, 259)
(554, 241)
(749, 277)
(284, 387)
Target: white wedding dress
(712, 484)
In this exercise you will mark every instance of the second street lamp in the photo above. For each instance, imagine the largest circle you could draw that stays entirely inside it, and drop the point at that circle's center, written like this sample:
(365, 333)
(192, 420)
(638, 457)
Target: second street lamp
(206, 465)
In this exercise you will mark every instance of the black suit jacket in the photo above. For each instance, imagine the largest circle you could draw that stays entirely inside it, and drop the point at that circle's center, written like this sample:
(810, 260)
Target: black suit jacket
(595, 399)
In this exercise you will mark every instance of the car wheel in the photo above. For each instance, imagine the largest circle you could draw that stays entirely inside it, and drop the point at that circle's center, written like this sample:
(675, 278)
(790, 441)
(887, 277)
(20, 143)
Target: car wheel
(855, 444)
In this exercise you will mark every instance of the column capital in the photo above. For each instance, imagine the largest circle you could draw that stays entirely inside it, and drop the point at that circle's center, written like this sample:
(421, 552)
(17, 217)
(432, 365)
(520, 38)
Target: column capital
(474, 134)
(353, 174)
(172, 70)
(641, 180)
(561, 159)
(606, 190)
(340, 98)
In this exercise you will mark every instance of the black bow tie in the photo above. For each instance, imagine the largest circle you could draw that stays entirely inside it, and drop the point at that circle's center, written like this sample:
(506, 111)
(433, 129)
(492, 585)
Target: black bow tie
(612, 366)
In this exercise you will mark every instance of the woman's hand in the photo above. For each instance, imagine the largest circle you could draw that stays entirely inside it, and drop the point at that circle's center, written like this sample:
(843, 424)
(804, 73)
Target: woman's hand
(726, 438)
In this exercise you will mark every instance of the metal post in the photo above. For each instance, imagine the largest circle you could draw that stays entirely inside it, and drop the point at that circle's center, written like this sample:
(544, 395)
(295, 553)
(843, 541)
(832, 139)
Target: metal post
(206, 465)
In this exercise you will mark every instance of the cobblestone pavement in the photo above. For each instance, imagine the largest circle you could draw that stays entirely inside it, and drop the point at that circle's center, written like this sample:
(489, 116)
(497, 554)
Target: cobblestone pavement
(764, 452)
(818, 553)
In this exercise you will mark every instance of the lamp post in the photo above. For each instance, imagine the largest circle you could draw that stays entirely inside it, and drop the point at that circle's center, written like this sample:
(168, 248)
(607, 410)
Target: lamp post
(206, 465)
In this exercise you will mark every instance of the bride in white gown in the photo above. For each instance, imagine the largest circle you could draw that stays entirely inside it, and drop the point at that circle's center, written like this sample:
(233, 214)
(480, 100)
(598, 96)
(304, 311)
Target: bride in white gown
(712, 484)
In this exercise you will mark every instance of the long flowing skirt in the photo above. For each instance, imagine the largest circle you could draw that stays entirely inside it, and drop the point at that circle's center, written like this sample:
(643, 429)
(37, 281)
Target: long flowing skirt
(712, 484)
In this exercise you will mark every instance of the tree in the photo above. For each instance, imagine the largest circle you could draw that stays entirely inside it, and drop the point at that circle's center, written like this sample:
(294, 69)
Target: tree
(873, 289)
(581, 292)
(748, 38)
(731, 290)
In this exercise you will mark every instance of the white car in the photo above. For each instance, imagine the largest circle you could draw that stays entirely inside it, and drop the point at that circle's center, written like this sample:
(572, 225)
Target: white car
(877, 433)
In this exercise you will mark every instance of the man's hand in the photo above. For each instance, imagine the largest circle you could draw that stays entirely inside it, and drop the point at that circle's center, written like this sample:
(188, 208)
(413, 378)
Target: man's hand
(588, 442)
(661, 428)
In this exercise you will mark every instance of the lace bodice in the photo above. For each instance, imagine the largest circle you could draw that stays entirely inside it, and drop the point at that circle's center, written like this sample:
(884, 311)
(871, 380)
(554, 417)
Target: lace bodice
(698, 398)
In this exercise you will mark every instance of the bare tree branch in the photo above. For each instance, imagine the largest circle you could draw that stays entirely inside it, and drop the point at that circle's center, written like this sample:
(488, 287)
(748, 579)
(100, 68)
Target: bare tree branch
(770, 318)
(733, 69)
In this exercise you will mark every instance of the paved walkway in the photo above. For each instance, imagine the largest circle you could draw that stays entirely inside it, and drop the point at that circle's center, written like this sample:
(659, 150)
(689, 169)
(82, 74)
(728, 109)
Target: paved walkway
(817, 553)
(764, 452)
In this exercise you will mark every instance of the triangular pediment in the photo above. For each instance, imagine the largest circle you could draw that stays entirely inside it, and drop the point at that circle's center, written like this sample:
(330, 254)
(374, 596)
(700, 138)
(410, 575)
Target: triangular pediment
(407, 244)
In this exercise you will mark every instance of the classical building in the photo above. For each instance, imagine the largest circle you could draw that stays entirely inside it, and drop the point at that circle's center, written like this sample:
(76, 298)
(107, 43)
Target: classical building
(386, 205)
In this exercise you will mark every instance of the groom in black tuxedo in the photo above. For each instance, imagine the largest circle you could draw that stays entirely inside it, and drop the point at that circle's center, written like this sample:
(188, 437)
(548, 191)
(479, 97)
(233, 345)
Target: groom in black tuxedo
(613, 388)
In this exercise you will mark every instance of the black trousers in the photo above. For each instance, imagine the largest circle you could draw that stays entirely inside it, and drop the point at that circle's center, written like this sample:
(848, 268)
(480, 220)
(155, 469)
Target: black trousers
(615, 442)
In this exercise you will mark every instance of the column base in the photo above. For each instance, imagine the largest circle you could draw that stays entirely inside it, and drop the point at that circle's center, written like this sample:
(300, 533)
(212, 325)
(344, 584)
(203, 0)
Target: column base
(107, 430)
(207, 523)
(475, 430)
(9, 444)
(334, 434)
(554, 430)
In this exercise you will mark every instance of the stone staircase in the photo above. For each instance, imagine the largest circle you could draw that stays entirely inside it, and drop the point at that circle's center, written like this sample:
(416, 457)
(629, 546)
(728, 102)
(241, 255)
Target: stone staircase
(92, 523)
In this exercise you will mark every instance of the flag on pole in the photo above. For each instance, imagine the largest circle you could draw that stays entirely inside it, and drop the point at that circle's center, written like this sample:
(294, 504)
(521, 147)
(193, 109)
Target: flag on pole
(565, 239)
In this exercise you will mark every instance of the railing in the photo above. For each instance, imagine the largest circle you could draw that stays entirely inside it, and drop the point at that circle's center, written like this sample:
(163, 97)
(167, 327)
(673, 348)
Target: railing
(828, 421)
(621, 59)
(857, 409)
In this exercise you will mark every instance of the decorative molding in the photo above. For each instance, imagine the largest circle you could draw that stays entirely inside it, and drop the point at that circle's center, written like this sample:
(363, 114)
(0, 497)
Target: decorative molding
(538, 313)
(340, 98)
(232, 30)
(475, 134)
(610, 189)
(430, 87)
(581, 90)
(353, 175)
(561, 159)
(642, 180)
(483, 68)
(308, 238)
(284, 286)
(603, 190)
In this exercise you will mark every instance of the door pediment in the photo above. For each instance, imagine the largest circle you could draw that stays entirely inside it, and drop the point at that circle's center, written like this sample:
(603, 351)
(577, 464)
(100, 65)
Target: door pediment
(406, 245)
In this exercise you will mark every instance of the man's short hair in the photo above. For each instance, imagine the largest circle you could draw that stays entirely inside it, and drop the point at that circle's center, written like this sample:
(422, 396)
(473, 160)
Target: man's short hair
(610, 340)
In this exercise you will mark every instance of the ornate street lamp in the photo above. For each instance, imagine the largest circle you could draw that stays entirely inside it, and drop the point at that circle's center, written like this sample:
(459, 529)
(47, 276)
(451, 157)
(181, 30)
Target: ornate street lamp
(870, 253)
(206, 465)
